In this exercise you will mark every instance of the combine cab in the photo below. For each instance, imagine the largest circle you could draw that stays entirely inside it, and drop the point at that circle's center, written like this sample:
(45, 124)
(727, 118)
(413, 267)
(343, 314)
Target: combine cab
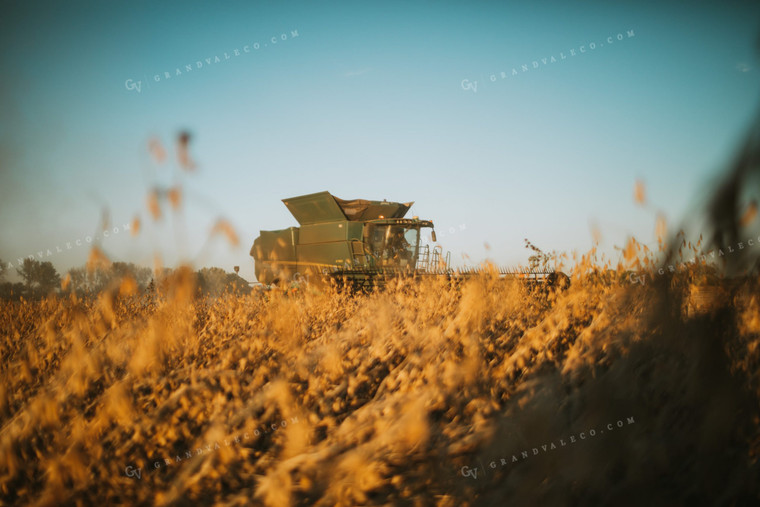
(359, 241)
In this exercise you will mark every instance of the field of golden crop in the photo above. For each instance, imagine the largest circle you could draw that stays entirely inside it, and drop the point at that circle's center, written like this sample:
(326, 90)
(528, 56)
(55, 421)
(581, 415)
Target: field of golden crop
(422, 394)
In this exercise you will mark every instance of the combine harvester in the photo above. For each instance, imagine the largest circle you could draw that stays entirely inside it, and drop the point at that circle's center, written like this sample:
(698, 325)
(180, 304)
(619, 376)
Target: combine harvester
(359, 243)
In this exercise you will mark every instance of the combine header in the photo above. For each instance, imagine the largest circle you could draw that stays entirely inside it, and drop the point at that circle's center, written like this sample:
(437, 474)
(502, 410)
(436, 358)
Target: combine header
(359, 242)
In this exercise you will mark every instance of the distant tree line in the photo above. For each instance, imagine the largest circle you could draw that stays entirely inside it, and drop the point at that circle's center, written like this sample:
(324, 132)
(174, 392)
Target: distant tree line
(40, 279)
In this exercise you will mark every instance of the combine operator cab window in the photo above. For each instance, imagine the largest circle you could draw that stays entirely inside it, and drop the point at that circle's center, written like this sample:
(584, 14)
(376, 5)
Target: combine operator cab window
(393, 245)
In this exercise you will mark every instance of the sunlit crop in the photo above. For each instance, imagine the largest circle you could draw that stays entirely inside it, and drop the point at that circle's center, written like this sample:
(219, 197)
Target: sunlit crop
(314, 396)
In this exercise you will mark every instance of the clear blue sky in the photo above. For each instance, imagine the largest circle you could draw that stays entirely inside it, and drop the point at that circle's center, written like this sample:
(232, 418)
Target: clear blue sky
(367, 101)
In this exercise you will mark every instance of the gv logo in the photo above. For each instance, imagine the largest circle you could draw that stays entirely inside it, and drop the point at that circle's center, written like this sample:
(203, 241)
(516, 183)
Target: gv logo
(469, 472)
(133, 472)
(467, 85)
(131, 85)
(638, 279)
(299, 278)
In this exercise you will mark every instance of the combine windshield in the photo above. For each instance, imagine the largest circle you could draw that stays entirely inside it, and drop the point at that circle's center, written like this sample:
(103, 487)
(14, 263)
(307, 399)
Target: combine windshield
(393, 245)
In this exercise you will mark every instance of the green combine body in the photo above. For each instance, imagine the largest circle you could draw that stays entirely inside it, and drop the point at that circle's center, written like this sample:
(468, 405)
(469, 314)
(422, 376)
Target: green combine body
(358, 237)
(359, 241)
